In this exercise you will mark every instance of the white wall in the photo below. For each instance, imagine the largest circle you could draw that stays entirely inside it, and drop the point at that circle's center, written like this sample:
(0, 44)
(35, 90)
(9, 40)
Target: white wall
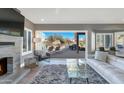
(93, 41)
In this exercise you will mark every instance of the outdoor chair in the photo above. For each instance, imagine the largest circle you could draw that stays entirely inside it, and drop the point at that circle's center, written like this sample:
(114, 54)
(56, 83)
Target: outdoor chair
(57, 48)
(50, 48)
(40, 55)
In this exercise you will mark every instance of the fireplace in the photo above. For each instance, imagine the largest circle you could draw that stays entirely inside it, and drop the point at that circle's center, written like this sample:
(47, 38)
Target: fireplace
(3, 66)
(10, 57)
(6, 65)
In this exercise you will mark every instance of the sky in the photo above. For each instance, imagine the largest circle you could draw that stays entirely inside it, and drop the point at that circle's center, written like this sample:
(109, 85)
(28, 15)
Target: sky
(66, 35)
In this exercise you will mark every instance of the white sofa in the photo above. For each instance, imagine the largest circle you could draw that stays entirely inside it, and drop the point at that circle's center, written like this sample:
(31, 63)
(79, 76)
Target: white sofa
(112, 70)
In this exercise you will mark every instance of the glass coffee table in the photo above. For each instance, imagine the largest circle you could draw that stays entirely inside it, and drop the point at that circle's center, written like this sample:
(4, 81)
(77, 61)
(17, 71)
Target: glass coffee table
(77, 68)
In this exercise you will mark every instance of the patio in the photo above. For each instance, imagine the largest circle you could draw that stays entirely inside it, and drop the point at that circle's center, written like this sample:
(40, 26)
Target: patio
(68, 53)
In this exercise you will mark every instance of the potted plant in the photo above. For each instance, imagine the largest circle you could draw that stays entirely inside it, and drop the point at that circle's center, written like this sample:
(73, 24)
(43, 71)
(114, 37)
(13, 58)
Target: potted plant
(112, 50)
(101, 49)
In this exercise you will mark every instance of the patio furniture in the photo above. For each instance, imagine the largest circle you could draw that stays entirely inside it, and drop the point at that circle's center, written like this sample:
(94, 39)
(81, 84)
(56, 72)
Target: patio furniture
(73, 47)
(57, 48)
(40, 55)
(70, 47)
(50, 48)
(82, 48)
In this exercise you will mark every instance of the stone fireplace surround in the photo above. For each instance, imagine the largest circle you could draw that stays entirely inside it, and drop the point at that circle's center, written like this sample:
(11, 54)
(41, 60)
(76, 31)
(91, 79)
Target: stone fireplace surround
(11, 51)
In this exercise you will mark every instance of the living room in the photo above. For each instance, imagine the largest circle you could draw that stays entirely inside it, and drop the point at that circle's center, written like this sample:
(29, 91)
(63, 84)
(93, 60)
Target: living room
(52, 46)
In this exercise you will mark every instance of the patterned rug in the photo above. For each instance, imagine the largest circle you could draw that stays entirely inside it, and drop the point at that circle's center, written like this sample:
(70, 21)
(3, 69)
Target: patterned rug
(57, 74)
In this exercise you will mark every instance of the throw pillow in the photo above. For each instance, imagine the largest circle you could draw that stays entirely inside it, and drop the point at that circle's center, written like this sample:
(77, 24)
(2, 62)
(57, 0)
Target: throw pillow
(101, 56)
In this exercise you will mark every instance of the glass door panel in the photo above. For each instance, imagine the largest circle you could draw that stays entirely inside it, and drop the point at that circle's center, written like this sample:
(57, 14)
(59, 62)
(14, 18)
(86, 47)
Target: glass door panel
(29, 41)
(25, 41)
(104, 40)
(119, 40)
(108, 41)
(99, 41)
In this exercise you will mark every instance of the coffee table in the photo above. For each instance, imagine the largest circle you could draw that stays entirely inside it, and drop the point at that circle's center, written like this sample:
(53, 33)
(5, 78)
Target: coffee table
(77, 68)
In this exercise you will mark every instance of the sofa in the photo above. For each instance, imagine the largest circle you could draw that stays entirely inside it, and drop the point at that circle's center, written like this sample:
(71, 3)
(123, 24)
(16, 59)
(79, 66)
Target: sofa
(112, 70)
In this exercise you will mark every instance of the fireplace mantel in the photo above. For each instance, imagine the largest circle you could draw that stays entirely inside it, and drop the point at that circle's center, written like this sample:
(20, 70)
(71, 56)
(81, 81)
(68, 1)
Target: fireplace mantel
(6, 51)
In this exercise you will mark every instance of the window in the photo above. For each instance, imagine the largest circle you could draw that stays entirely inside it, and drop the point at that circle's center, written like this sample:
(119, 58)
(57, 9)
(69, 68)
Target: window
(119, 40)
(27, 41)
(104, 40)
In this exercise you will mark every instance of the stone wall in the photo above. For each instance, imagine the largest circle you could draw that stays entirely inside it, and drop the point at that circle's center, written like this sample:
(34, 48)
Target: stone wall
(12, 51)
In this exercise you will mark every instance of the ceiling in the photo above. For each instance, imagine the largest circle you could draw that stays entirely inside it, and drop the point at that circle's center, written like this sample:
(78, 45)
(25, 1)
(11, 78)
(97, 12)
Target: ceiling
(74, 15)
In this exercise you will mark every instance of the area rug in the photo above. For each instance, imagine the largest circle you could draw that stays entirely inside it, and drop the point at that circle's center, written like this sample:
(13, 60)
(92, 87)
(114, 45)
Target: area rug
(57, 74)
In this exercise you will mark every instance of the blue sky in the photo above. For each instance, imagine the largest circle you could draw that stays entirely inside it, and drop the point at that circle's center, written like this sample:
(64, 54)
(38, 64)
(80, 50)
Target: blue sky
(69, 35)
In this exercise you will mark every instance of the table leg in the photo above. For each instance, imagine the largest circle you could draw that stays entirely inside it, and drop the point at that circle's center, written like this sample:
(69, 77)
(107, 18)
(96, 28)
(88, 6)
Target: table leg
(70, 80)
(87, 80)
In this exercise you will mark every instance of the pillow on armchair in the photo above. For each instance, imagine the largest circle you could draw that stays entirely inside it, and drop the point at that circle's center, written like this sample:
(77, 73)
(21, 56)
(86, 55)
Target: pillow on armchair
(101, 56)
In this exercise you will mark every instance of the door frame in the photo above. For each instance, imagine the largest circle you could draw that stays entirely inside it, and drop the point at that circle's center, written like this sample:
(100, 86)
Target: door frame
(85, 31)
(104, 38)
(31, 51)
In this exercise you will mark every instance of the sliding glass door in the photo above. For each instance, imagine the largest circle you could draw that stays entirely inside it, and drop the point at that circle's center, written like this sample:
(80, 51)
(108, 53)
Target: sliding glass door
(104, 40)
(119, 40)
(99, 40)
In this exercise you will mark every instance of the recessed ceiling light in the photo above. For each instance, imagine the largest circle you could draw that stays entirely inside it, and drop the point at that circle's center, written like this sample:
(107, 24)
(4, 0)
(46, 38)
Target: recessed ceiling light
(42, 19)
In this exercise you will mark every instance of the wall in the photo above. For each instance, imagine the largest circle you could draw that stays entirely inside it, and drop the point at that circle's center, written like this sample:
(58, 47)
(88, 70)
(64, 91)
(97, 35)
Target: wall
(95, 27)
(28, 24)
(12, 51)
(59, 27)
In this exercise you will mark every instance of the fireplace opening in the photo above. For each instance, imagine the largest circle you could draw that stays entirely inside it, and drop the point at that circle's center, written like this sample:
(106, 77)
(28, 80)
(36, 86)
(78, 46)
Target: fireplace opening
(3, 66)
(6, 65)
